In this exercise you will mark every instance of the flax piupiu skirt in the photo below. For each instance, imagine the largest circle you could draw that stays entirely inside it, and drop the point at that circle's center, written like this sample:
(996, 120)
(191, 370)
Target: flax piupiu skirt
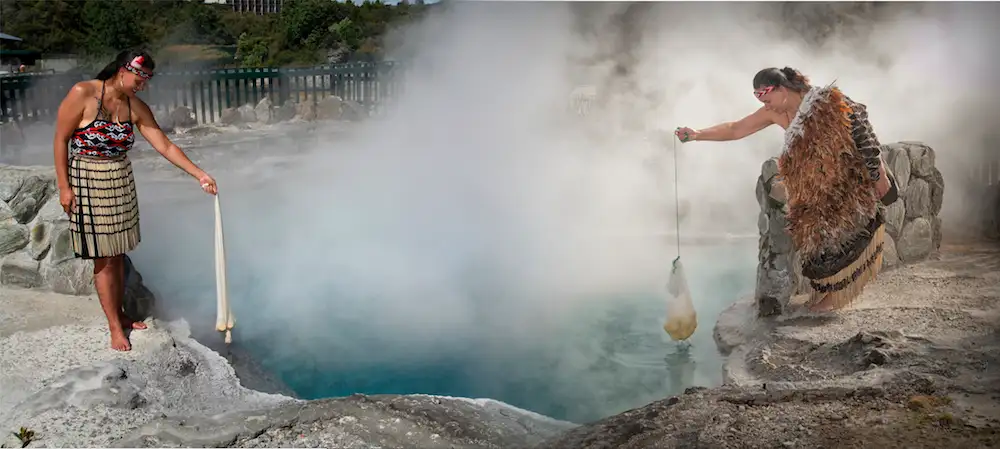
(105, 222)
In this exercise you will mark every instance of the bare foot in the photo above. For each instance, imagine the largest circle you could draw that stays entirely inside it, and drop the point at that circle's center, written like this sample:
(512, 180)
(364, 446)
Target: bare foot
(820, 308)
(127, 322)
(822, 305)
(119, 342)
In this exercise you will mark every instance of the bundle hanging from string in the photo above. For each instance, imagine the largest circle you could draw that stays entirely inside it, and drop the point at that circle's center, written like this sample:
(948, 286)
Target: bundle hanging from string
(681, 320)
(224, 321)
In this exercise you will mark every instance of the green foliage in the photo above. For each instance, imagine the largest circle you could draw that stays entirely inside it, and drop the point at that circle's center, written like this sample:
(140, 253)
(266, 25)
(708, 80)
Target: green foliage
(347, 32)
(107, 29)
(195, 24)
(53, 25)
(304, 22)
(251, 51)
(305, 32)
(25, 436)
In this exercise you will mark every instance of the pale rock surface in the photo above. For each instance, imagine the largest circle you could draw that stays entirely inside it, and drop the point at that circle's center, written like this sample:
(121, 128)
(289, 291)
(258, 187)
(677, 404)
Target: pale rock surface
(59, 378)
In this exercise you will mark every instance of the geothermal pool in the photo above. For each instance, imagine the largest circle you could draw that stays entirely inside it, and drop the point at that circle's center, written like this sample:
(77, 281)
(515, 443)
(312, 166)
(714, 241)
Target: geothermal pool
(607, 357)
(612, 357)
(299, 320)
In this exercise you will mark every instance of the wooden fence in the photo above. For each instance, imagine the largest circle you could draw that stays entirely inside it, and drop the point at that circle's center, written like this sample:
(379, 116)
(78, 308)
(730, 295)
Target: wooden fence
(33, 97)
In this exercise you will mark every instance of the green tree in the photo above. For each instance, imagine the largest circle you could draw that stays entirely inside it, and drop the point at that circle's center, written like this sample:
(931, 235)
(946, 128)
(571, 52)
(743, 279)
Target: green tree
(347, 33)
(304, 22)
(235, 24)
(111, 26)
(305, 32)
(49, 26)
(200, 24)
(251, 51)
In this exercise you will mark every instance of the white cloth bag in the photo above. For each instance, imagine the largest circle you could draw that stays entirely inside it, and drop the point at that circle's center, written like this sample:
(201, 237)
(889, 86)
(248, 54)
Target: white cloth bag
(224, 321)
(681, 320)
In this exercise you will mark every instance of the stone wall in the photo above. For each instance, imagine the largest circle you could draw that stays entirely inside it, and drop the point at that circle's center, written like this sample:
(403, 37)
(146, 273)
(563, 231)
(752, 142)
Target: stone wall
(912, 223)
(35, 247)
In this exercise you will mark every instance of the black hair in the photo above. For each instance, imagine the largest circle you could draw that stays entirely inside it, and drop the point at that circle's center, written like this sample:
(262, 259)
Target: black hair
(123, 59)
(787, 77)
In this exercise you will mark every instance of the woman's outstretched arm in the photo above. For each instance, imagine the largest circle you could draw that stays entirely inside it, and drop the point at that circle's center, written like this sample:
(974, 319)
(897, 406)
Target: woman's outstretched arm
(737, 130)
(158, 139)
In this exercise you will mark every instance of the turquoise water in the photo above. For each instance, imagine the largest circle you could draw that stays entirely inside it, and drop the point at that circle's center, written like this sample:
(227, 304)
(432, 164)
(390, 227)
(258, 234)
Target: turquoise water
(592, 360)
(608, 359)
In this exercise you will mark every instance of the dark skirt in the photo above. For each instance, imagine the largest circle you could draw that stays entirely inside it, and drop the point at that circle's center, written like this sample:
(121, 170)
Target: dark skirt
(840, 278)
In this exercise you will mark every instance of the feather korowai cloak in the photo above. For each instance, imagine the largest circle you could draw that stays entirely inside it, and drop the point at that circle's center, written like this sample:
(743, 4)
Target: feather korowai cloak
(833, 216)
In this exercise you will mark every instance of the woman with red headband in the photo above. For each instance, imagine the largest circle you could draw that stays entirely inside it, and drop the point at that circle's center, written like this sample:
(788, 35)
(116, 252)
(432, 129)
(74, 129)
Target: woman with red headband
(95, 129)
(833, 176)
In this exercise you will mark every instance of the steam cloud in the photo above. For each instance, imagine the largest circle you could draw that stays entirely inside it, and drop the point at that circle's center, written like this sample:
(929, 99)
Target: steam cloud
(479, 217)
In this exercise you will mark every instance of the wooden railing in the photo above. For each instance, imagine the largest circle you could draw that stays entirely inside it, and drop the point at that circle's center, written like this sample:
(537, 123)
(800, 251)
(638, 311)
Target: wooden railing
(208, 93)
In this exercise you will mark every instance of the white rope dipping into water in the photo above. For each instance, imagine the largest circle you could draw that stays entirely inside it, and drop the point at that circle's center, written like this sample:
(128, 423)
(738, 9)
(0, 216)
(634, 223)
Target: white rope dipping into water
(224, 321)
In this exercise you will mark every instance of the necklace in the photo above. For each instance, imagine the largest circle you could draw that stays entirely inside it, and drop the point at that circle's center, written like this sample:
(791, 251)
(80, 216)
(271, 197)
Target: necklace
(107, 112)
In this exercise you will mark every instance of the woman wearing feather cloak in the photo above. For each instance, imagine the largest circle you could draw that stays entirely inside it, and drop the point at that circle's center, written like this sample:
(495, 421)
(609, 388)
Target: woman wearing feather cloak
(833, 175)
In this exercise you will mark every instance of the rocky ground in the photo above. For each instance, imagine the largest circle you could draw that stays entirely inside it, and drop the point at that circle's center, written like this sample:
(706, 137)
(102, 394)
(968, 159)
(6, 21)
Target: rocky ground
(916, 364)
(59, 380)
(359, 421)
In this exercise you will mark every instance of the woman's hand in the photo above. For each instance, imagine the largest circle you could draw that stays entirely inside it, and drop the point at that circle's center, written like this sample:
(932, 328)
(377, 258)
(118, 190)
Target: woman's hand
(208, 184)
(67, 200)
(686, 134)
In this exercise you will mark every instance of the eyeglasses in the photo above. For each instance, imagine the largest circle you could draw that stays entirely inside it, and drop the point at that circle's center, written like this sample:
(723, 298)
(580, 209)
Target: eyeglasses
(762, 91)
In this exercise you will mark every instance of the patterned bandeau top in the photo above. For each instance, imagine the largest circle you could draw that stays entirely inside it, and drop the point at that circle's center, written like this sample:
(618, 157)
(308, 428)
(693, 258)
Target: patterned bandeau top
(103, 137)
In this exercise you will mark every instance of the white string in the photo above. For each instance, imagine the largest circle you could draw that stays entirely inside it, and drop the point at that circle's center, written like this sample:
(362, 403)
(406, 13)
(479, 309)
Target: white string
(677, 203)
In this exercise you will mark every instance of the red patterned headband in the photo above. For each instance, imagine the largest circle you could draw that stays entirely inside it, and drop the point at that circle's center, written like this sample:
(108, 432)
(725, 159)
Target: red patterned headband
(763, 91)
(136, 67)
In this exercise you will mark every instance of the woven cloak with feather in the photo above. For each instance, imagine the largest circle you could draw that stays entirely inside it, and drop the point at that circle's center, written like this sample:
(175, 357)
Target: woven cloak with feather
(829, 166)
